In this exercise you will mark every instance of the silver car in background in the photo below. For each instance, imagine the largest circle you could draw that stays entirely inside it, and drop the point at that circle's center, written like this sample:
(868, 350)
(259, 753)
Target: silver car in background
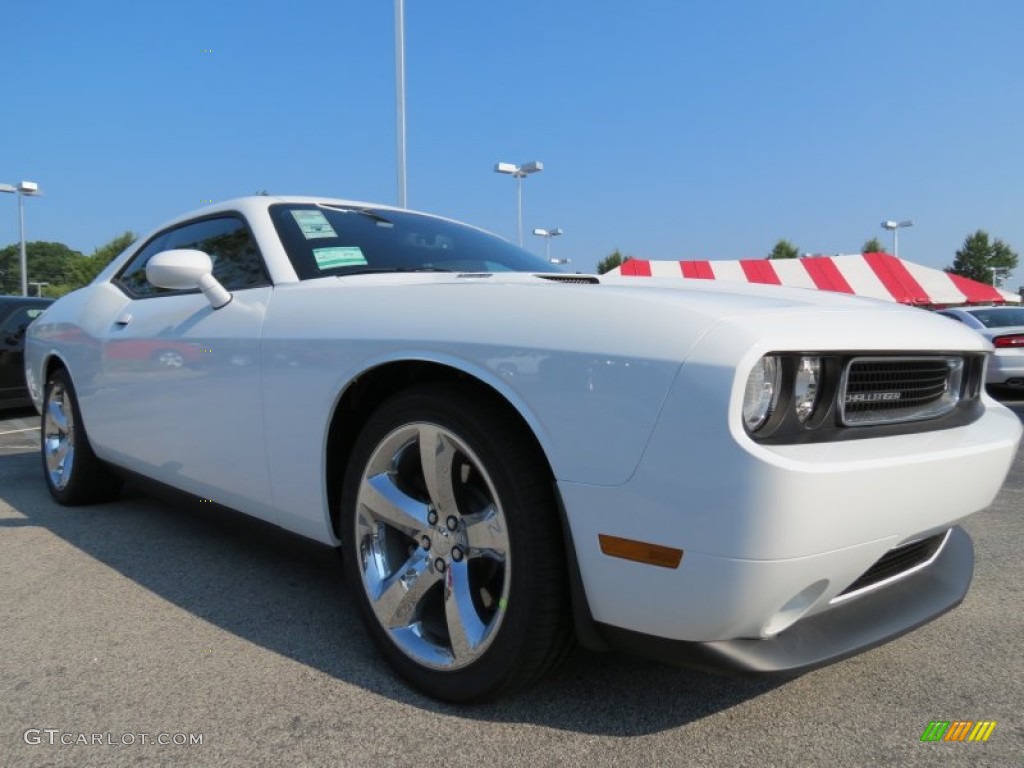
(1004, 327)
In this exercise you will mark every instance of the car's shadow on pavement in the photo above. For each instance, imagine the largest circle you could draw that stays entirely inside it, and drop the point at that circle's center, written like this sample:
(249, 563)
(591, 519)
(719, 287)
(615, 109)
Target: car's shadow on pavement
(286, 594)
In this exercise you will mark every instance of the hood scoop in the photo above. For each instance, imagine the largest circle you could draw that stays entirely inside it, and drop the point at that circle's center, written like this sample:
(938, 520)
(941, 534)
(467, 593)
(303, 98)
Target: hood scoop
(579, 279)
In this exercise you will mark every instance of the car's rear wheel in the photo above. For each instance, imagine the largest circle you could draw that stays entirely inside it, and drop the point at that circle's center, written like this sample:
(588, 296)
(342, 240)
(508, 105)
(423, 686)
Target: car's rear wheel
(169, 358)
(453, 546)
(74, 475)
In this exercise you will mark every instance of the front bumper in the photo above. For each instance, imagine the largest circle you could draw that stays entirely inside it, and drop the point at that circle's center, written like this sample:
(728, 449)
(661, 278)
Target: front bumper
(771, 536)
(842, 630)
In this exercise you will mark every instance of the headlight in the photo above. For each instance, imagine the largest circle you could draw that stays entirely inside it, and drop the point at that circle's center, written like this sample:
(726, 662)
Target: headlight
(806, 387)
(762, 392)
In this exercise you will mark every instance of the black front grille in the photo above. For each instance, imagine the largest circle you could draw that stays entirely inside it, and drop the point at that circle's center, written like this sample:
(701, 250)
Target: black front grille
(888, 390)
(897, 561)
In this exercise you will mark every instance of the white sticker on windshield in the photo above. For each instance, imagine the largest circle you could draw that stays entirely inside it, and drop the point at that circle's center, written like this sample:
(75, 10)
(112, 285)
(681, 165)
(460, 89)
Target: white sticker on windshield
(348, 256)
(314, 224)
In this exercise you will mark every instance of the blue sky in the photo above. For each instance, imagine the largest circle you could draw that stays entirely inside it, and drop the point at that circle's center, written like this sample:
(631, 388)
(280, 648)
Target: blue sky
(667, 129)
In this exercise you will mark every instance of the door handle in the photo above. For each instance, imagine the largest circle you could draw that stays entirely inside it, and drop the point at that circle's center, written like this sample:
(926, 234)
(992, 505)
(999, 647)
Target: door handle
(124, 319)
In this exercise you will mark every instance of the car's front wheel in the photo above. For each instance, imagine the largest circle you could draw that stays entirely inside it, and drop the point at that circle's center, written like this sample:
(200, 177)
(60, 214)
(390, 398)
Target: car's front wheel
(74, 475)
(453, 545)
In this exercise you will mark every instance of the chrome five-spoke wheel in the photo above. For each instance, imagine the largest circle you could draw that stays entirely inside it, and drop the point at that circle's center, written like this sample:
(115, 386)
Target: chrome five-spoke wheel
(453, 545)
(73, 473)
(433, 546)
(170, 358)
(58, 435)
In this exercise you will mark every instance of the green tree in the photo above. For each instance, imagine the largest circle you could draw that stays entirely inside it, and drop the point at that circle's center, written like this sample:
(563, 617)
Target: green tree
(62, 268)
(784, 250)
(52, 263)
(91, 265)
(611, 261)
(977, 258)
(107, 252)
(873, 246)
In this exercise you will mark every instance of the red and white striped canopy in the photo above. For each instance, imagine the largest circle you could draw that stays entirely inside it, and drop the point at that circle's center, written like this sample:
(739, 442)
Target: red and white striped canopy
(877, 275)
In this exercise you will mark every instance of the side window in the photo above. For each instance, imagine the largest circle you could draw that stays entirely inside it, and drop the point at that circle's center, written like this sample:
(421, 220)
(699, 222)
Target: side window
(133, 278)
(17, 323)
(237, 263)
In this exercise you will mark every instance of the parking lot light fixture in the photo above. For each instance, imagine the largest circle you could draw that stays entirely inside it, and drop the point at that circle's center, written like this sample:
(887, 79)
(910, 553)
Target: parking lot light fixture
(31, 189)
(7, 188)
(895, 227)
(547, 234)
(519, 172)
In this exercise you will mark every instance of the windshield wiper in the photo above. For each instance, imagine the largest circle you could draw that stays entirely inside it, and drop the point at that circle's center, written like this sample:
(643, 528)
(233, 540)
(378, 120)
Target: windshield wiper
(367, 212)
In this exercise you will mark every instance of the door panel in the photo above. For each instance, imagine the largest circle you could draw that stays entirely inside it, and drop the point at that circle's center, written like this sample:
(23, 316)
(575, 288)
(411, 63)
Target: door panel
(178, 395)
(12, 349)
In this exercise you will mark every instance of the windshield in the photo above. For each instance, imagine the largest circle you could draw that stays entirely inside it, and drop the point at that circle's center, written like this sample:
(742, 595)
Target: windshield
(323, 239)
(1000, 317)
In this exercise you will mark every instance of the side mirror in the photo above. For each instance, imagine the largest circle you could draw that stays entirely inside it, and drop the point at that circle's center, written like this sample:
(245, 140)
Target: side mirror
(184, 269)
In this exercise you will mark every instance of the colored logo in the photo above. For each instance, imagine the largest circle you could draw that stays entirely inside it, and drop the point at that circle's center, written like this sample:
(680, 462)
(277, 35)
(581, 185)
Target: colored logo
(958, 730)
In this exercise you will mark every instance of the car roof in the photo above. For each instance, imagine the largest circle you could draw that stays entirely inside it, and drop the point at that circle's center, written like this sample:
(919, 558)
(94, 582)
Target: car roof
(12, 300)
(252, 204)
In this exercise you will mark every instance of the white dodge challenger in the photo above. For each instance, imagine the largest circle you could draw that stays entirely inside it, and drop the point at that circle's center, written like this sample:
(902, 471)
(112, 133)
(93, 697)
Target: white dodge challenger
(739, 478)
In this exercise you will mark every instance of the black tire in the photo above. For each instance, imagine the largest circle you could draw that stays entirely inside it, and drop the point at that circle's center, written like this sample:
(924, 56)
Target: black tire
(74, 476)
(496, 528)
(1005, 392)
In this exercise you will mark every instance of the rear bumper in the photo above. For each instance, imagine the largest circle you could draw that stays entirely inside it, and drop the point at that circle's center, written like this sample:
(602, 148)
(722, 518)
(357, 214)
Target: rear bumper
(1005, 366)
(843, 630)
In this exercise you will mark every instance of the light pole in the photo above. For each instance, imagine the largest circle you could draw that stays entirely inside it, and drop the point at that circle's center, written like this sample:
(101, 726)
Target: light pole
(519, 172)
(895, 227)
(547, 234)
(997, 274)
(400, 97)
(7, 188)
(31, 189)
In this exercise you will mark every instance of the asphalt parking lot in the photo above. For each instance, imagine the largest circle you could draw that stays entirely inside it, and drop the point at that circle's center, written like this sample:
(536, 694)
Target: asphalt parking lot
(145, 620)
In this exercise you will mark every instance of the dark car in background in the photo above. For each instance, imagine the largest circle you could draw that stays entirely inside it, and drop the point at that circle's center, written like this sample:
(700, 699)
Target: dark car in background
(16, 312)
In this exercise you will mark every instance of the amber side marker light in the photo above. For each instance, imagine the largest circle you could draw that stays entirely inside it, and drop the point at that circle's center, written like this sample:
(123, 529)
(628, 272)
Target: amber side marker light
(640, 551)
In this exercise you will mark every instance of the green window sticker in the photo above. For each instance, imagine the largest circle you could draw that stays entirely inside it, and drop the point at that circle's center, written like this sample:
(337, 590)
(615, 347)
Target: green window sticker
(313, 224)
(347, 256)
